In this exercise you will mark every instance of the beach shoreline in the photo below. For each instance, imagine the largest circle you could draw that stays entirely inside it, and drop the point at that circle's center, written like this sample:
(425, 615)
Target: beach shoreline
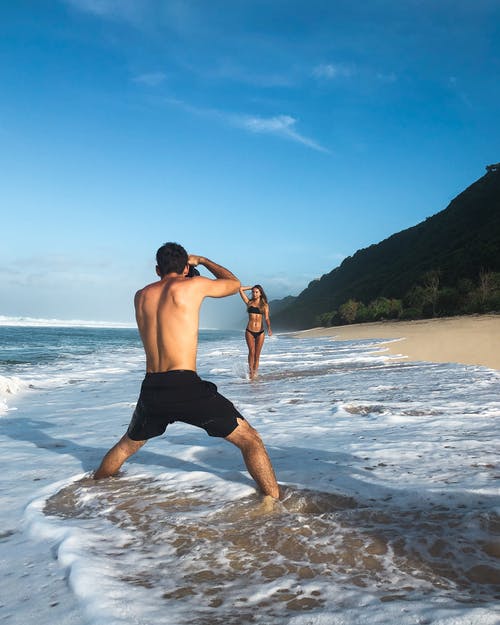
(468, 340)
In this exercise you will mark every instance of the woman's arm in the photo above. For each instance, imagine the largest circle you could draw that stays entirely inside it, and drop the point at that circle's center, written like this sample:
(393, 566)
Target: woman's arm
(242, 293)
(268, 320)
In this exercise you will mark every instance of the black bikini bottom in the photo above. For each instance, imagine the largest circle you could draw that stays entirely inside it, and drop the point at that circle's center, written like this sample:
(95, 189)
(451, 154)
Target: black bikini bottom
(255, 334)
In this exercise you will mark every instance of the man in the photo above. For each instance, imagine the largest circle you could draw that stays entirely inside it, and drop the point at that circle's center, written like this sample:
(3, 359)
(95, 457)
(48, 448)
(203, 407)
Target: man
(167, 314)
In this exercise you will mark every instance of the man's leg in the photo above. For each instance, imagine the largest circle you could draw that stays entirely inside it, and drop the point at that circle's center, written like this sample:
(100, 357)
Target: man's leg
(116, 456)
(247, 439)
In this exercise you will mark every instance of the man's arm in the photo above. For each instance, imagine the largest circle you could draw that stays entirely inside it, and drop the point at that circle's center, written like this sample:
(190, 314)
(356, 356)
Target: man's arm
(226, 283)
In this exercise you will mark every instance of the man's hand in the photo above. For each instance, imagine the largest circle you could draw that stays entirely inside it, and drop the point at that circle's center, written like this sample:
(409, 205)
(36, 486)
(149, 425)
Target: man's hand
(194, 260)
(226, 283)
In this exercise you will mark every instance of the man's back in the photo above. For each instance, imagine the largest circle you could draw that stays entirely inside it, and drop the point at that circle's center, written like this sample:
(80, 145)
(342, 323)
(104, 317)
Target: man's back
(167, 314)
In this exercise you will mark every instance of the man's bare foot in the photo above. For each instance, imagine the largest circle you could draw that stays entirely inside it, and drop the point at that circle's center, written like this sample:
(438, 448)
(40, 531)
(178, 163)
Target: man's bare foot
(269, 505)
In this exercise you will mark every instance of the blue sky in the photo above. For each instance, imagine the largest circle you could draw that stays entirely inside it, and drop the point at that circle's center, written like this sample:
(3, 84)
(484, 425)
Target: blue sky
(274, 137)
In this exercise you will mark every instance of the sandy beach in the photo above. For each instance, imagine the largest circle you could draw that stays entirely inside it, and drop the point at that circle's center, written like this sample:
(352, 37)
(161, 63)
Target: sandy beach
(469, 340)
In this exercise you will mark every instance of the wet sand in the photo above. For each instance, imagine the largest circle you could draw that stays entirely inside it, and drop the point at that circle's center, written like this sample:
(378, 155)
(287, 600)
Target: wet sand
(469, 340)
(307, 537)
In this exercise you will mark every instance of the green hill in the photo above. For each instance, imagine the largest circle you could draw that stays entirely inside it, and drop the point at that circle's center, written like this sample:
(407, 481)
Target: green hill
(447, 264)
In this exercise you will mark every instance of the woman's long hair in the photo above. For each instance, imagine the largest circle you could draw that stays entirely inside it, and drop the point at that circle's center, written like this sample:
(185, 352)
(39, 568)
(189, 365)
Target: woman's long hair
(263, 296)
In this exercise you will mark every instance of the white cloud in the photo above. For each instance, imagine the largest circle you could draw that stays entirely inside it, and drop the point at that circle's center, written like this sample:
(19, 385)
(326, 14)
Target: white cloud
(152, 79)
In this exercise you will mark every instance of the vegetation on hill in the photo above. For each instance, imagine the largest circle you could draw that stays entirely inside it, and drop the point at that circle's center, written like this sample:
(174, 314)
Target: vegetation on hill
(448, 264)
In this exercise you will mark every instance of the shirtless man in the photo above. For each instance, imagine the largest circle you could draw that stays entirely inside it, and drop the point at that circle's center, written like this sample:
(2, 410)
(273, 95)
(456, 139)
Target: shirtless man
(167, 314)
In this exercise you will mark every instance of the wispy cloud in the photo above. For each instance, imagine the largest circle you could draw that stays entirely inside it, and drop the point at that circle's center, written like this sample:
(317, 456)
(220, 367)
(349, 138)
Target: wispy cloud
(152, 79)
(49, 269)
(283, 126)
(454, 85)
(127, 10)
(280, 285)
(229, 69)
(280, 125)
(331, 71)
(386, 77)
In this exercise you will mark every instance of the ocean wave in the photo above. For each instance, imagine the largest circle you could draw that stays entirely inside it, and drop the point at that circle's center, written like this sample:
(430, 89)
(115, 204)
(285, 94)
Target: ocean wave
(9, 386)
(61, 323)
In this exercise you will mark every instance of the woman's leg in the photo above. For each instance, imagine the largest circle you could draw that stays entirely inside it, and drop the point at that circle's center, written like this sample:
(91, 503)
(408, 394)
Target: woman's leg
(259, 342)
(251, 352)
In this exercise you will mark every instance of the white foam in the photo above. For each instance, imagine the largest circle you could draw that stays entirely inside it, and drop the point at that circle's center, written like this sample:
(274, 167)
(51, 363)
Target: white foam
(405, 439)
(10, 386)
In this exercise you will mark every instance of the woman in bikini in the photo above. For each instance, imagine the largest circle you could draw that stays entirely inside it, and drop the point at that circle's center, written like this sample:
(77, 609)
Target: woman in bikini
(258, 310)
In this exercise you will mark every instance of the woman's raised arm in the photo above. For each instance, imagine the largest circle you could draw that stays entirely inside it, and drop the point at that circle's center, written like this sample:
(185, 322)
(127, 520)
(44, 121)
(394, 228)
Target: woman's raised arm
(242, 293)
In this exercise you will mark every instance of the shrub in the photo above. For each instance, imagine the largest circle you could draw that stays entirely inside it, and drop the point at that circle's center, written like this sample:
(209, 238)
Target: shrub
(348, 310)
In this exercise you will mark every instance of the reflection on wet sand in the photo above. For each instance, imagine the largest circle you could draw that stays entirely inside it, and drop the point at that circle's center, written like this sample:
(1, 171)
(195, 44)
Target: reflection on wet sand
(250, 558)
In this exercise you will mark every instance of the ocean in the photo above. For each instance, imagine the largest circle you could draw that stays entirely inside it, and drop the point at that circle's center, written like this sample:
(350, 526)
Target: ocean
(389, 471)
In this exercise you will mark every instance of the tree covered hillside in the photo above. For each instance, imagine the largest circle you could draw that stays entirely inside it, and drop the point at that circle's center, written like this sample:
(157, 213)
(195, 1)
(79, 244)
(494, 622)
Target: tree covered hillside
(448, 264)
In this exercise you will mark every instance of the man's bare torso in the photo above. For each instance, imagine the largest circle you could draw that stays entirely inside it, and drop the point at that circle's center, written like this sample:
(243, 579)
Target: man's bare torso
(167, 314)
(168, 311)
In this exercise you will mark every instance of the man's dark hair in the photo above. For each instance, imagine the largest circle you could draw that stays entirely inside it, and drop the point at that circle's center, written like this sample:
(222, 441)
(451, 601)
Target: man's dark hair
(171, 258)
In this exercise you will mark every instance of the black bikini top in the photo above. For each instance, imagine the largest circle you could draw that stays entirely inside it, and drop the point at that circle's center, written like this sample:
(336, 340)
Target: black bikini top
(254, 309)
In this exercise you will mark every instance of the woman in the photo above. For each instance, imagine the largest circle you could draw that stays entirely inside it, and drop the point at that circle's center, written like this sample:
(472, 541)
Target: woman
(258, 310)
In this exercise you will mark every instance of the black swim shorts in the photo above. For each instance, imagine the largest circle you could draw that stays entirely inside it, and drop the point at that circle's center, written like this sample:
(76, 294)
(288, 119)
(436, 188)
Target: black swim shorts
(180, 396)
